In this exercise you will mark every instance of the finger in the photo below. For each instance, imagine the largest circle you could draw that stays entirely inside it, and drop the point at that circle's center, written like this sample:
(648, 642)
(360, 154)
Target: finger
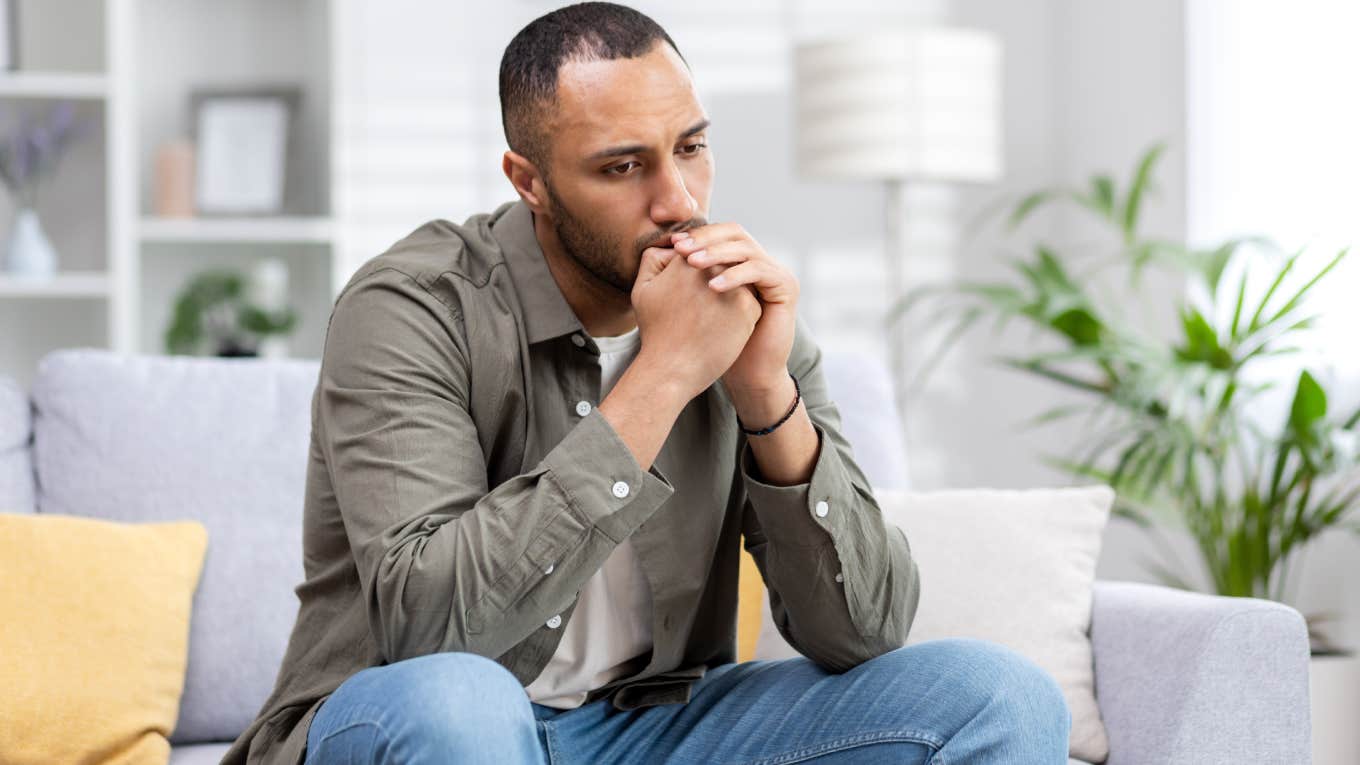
(726, 253)
(772, 283)
(654, 259)
(665, 255)
(704, 236)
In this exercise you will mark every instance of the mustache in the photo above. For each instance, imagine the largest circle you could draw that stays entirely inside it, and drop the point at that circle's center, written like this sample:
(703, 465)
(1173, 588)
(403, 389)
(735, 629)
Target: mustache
(663, 238)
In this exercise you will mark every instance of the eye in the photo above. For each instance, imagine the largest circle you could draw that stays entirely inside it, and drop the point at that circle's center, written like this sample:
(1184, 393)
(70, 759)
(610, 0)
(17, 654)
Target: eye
(696, 146)
(614, 170)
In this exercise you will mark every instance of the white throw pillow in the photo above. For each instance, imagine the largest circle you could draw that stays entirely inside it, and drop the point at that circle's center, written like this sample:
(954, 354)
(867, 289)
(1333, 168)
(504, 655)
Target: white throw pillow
(1012, 566)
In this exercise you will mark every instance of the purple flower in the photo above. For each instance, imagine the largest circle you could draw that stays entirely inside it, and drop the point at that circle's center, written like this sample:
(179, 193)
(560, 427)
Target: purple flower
(23, 154)
(37, 145)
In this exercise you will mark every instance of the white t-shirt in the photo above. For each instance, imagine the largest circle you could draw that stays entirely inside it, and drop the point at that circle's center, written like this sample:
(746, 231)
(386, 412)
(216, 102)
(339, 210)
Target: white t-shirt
(609, 633)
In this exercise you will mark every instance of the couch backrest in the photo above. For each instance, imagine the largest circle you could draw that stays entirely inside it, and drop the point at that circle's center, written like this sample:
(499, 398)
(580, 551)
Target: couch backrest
(152, 438)
(862, 388)
(149, 438)
(16, 438)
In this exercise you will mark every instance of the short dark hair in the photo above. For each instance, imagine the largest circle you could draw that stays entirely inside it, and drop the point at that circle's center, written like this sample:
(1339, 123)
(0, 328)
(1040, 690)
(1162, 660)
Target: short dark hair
(581, 32)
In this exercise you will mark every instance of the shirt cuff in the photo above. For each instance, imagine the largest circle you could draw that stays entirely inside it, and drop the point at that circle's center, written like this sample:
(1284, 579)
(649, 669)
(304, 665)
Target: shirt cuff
(603, 481)
(806, 514)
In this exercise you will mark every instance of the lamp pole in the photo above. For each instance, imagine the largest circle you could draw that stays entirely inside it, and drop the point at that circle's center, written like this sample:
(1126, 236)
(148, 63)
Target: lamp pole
(894, 247)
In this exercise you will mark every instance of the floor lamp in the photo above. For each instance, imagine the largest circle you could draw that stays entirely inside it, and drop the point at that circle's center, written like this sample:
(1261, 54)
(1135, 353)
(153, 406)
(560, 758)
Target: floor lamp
(907, 104)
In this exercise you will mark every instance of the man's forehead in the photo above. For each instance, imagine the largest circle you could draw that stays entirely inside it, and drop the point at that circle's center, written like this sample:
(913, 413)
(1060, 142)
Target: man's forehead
(603, 102)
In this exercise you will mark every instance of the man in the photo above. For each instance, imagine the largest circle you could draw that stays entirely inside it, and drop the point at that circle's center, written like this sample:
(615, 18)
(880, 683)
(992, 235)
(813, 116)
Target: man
(537, 440)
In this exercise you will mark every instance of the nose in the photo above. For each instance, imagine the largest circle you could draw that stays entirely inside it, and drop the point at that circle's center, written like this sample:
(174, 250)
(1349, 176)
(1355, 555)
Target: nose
(672, 202)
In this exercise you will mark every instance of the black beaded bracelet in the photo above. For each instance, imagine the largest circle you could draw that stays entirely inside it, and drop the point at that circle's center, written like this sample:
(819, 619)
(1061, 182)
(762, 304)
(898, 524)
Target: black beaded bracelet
(797, 395)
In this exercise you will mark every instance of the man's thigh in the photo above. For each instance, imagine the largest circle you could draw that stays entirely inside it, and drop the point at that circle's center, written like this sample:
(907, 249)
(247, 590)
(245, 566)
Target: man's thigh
(942, 701)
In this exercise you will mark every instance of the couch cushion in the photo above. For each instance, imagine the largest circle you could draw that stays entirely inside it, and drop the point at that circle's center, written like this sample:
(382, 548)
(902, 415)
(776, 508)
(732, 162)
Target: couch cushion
(16, 463)
(224, 441)
(95, 668)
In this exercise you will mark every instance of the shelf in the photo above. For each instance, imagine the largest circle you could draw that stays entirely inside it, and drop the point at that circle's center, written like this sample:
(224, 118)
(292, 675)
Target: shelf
(53, 85)
(255, 230)
(68, 284)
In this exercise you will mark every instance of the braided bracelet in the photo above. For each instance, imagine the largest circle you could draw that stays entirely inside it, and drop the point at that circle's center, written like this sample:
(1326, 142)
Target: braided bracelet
(797, 395)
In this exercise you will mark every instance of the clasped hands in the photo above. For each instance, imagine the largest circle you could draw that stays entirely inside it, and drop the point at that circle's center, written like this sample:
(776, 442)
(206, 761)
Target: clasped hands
(735, 260)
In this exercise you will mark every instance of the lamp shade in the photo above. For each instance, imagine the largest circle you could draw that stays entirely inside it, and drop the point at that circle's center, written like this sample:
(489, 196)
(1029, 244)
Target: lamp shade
(912, 103)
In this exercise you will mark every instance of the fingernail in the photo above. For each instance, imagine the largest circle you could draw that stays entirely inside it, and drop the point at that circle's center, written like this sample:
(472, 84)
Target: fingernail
(717, 281)
(697, 255)
(680, 235)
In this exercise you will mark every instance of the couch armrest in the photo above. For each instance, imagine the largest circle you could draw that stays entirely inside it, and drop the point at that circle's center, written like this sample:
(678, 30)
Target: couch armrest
(1189, 677)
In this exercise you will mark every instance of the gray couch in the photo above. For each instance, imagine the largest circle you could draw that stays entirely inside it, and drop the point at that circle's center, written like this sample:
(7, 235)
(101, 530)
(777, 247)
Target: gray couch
(1180, 677)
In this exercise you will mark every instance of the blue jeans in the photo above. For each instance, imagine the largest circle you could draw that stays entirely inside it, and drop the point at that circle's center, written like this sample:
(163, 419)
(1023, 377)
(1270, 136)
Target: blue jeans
(956, 700)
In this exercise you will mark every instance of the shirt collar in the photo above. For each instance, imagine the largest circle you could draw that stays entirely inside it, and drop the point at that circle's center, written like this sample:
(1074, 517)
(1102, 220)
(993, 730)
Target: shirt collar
(546, 312)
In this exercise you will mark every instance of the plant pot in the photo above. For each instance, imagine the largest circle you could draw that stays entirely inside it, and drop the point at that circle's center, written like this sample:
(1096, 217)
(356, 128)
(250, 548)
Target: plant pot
(232, 349)
(30, 254)
(1334, 697)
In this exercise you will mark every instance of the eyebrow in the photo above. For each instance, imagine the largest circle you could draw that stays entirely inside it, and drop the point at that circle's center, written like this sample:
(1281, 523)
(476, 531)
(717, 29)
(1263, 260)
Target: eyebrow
(637, 148)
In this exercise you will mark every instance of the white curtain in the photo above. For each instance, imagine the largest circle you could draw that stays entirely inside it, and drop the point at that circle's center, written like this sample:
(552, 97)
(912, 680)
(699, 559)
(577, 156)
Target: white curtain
(1273, 106)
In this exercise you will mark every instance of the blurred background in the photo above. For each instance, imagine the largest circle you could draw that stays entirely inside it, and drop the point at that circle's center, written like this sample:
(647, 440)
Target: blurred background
(1107, 190)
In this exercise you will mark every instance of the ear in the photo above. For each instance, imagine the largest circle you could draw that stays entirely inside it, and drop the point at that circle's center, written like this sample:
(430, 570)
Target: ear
(526, 179)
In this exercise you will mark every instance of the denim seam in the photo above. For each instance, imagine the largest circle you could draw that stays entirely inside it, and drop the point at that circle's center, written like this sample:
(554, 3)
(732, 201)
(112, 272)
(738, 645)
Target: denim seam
(849, 742)
(551, 736)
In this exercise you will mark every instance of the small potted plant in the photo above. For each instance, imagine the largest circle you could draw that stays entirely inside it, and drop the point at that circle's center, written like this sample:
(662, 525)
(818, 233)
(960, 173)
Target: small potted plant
(215, 315)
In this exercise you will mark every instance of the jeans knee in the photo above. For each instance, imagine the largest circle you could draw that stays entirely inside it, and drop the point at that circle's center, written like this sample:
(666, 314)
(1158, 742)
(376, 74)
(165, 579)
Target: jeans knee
(447, 681)
(1004, 676)
(450, 703)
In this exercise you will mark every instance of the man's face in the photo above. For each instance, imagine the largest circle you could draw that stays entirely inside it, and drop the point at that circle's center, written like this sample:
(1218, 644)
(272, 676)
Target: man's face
(629, 161)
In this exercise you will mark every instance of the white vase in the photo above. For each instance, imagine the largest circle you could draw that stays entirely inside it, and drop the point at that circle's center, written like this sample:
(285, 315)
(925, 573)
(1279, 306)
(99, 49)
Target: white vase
(30, 254)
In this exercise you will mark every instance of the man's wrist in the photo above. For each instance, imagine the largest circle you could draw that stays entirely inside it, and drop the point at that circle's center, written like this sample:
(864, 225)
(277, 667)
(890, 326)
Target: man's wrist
(657, 386)
(762, 405)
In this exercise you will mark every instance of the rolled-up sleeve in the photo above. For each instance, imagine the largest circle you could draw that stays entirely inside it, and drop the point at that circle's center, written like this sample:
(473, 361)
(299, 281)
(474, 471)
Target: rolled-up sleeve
(446, 562)
(843, 586)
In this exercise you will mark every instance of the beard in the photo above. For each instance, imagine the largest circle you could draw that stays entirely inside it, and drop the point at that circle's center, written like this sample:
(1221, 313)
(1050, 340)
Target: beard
(597, 251)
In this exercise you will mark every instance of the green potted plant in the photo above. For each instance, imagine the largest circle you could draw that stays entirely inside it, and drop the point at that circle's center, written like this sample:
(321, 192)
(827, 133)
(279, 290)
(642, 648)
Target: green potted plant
(215, 316)
(1171, 427)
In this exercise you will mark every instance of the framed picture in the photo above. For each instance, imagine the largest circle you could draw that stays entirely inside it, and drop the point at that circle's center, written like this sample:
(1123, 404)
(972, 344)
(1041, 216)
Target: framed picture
(242, 139)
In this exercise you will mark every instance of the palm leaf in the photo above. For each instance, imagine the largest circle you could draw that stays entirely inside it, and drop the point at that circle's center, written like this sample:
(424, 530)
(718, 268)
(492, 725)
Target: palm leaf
(1134, 201)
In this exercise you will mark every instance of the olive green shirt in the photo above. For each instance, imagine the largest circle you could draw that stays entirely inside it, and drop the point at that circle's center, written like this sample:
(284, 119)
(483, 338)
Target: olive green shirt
(462, 486)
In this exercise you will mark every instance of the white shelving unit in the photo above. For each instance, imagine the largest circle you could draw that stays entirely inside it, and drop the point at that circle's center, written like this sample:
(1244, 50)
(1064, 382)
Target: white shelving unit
(131, 66)
(52, 85)
(284, 229)
(67, 285)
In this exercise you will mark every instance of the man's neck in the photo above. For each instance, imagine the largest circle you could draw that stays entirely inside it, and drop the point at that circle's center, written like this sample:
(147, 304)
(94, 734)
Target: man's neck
(602, 309)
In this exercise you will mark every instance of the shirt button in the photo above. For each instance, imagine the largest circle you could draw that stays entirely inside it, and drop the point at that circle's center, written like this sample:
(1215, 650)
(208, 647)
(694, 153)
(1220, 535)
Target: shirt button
(583, 408)
(579, 341)
(821, 509)
(620, 489)
(840, 577)
(555, 622)
(550, 568)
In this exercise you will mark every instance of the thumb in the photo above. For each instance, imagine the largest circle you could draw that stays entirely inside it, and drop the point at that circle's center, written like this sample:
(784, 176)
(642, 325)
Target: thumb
(654, 260)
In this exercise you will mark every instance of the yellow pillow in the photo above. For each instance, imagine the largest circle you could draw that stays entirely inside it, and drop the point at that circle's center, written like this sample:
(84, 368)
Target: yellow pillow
(94, 636)
(750, 599)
